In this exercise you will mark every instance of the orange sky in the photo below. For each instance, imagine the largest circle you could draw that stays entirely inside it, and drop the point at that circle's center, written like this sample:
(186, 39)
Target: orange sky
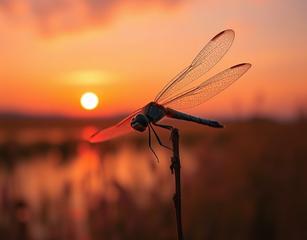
(54, 50)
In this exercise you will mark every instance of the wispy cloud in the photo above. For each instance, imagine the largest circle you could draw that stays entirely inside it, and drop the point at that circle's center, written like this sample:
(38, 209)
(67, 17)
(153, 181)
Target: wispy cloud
(52, 17)
(86, 78)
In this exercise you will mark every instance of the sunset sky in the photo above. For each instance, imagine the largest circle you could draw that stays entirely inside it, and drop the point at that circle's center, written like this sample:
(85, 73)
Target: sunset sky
(52, 51)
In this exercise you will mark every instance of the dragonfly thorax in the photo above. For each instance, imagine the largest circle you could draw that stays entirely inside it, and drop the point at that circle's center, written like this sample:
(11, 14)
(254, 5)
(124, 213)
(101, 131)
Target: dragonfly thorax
(153, 112)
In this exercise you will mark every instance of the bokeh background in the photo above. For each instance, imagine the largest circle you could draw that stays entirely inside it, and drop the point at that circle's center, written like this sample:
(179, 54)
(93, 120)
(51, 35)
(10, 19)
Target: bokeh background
(246, 181)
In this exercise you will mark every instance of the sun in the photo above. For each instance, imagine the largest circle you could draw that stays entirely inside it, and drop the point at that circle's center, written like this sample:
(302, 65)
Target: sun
(89, 100)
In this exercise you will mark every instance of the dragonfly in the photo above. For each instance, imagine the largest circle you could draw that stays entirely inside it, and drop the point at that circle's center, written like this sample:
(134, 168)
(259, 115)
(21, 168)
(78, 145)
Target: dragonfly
(182, 92)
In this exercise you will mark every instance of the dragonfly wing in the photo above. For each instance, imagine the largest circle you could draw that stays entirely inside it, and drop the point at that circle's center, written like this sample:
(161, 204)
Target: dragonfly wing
(203, 62)
(209, 88)
(121, 128)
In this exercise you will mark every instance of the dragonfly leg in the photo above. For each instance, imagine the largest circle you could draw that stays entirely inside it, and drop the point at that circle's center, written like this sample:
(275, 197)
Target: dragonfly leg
(149, 143)
(168, 127)
(158, 138)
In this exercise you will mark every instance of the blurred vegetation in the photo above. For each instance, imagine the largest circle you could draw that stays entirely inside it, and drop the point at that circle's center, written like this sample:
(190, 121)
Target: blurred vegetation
(247, 181)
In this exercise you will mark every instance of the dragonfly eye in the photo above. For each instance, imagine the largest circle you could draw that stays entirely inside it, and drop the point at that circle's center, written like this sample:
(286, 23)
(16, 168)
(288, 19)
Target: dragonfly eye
(139, 123)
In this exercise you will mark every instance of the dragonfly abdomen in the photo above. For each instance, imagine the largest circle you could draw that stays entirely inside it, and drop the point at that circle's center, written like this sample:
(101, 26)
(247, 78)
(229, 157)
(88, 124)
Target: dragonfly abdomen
(186, 117)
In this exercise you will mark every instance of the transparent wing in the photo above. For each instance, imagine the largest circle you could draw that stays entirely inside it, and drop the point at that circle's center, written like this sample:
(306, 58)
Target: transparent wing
(121, 128)
(208, 88)
(203, 62)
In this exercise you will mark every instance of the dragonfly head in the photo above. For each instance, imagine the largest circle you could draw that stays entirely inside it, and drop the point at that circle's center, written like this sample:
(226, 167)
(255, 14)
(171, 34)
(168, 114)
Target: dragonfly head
(139, 122)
